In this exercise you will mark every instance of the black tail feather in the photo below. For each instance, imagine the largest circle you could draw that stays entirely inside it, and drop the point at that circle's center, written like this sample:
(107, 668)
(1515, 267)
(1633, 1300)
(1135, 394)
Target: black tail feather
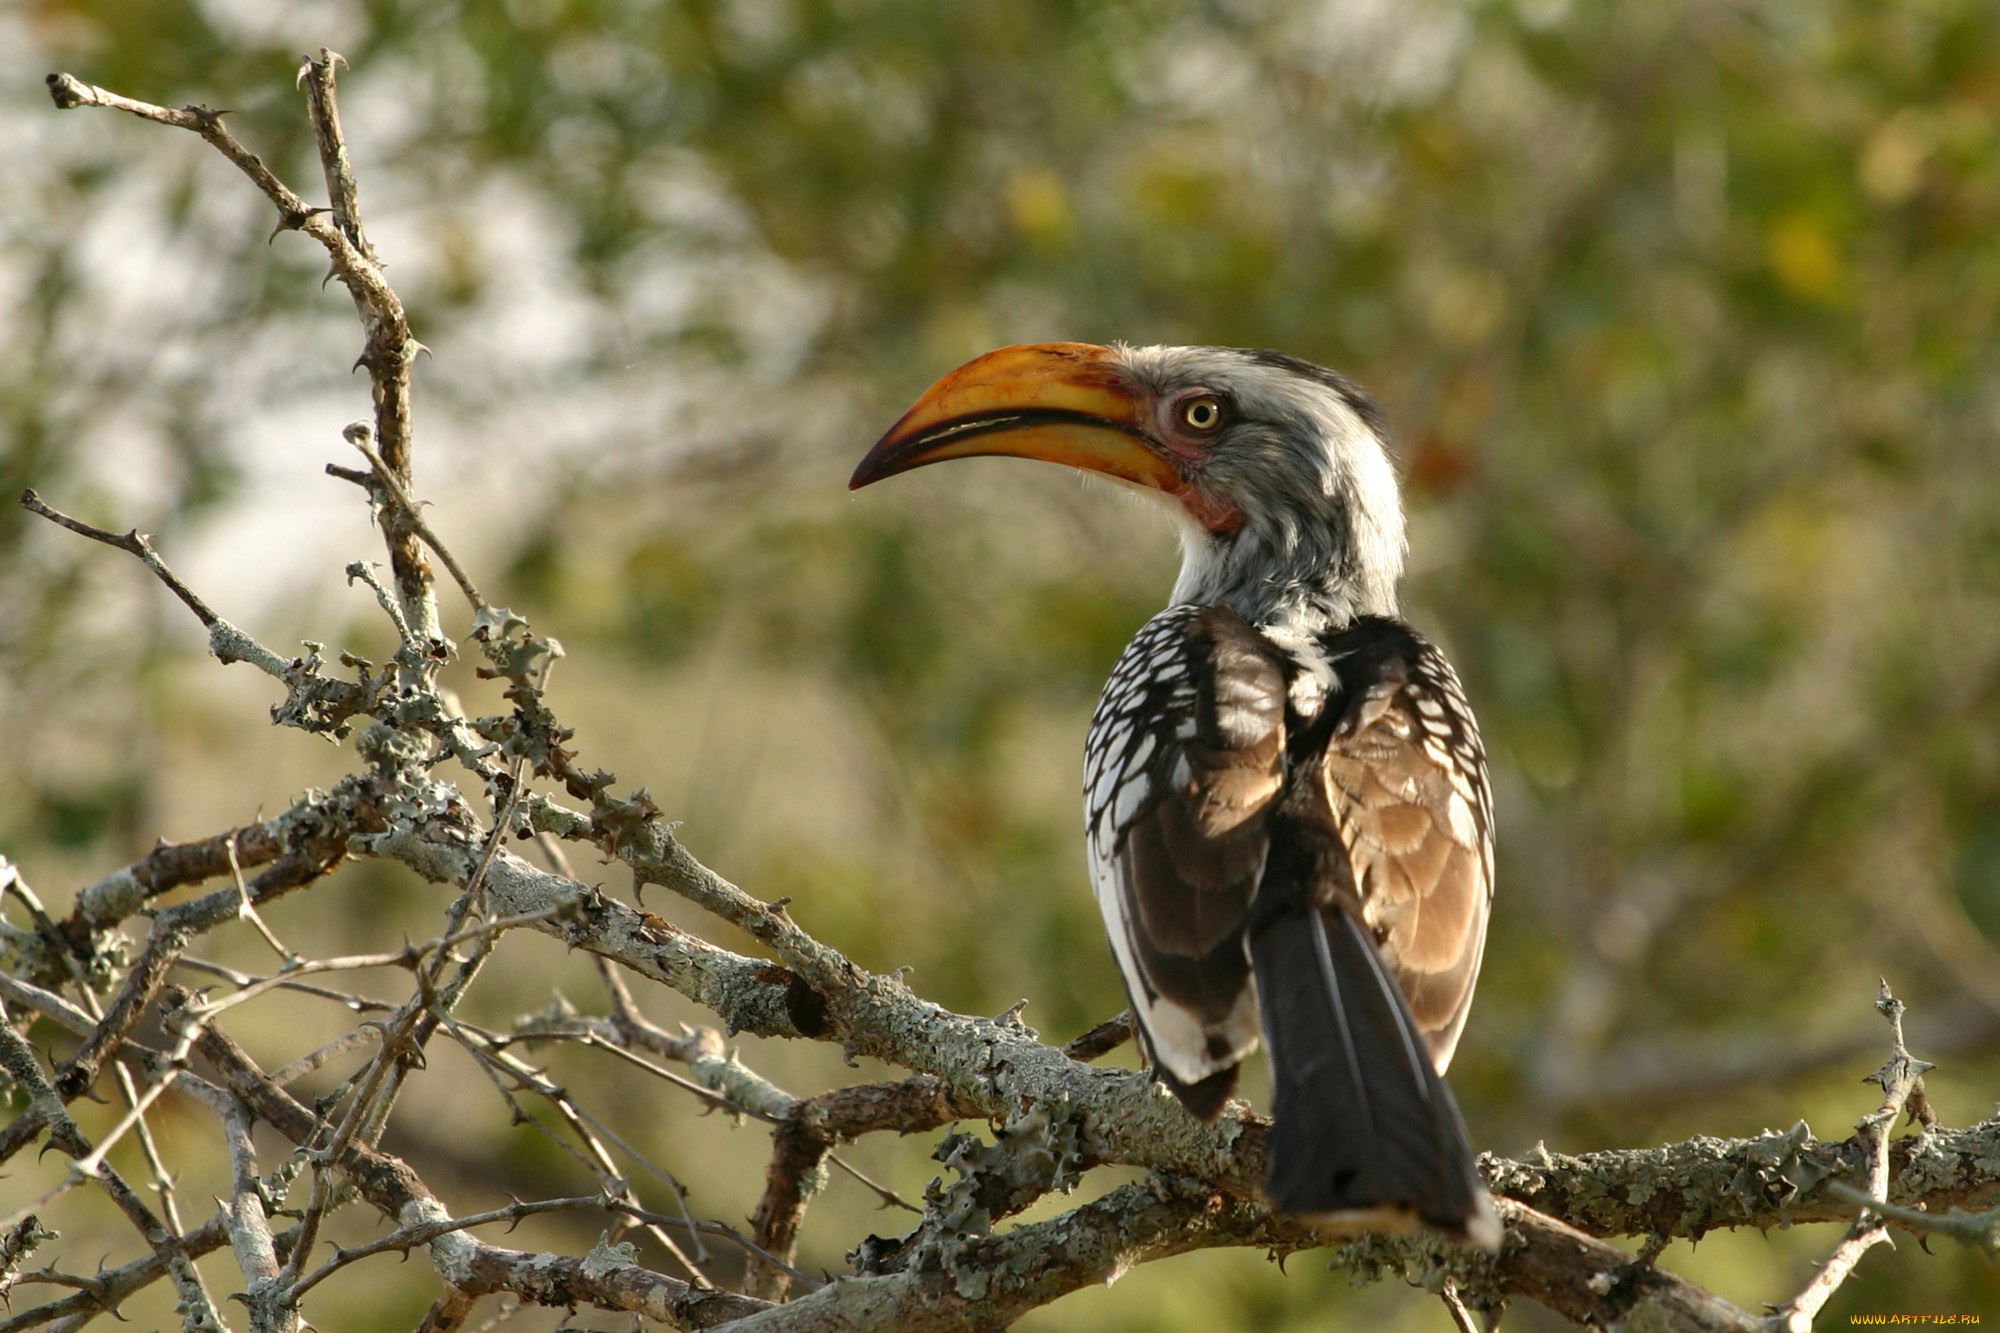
(1363, 1122)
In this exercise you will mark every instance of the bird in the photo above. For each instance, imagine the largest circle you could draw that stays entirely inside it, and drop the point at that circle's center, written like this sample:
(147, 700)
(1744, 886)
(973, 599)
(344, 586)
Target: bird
(1288, 820)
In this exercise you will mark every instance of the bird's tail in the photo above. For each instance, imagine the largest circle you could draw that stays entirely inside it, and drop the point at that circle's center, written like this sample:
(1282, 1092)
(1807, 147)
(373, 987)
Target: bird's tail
(1365, 1132)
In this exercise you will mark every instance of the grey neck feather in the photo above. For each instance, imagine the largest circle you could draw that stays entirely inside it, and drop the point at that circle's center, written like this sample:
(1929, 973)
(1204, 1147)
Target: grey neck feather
(1294, 581)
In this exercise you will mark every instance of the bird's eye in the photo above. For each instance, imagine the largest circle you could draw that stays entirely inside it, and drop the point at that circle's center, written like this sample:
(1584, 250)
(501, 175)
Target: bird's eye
(1202, 414)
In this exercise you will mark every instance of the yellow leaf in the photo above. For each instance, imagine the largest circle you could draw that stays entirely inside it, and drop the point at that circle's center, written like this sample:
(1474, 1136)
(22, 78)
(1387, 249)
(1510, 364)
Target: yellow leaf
(1803, 256)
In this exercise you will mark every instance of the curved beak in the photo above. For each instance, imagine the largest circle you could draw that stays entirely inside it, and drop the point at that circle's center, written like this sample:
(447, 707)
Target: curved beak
(1060, 402)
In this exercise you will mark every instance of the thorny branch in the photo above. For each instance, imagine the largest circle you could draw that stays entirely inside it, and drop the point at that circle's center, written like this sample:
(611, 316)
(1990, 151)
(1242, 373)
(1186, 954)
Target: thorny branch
(1054, 1118)
(1902, 1084)
(390, 349)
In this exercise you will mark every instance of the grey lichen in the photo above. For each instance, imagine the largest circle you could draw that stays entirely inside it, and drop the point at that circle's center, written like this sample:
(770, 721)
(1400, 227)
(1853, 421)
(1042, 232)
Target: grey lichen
(607, 1257)
(314, 702)
(16, 1244)
(111, 899)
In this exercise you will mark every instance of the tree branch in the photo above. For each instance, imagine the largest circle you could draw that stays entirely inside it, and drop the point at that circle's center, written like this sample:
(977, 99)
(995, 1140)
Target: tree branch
(1901, 1081)
(611, 1282)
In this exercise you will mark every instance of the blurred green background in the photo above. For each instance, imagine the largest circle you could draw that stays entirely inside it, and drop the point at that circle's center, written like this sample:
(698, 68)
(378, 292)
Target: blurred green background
(1684, 314)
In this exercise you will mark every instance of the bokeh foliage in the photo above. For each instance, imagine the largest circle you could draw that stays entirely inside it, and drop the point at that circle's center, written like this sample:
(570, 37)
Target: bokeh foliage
(1684, 314)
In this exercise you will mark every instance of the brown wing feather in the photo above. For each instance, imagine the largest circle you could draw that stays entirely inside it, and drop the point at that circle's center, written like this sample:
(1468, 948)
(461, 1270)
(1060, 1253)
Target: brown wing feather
(1186, 759)
(1406, 784)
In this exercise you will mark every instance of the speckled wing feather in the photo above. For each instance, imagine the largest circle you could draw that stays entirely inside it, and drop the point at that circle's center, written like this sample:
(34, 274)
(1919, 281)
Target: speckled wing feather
(1185, 758)
(1405, 781)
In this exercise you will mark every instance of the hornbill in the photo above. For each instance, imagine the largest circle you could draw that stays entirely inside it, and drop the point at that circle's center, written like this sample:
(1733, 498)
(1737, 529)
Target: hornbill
(1285, 796)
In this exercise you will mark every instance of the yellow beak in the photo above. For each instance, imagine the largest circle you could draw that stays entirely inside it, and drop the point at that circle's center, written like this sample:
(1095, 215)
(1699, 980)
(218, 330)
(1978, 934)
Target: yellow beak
(1060, 402)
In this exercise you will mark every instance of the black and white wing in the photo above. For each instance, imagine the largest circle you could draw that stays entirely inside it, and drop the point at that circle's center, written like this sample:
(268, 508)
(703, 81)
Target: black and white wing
(1184, 763)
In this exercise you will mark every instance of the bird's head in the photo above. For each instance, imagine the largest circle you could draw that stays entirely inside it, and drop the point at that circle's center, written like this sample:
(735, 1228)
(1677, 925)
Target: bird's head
(1277, 469)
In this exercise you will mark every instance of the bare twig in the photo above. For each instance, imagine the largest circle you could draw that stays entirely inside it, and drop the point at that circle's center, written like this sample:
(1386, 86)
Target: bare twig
(1103, 1039)
(133, 542)
(225, 642)
(17, 1058)
(720, 1230)
(392, 485)
(466, 1264)
(887, 1197)
(315, 1059)
(249, 909)
(171, 866)
(806, 1131)
(273, 1309)
(1980, 1230)
(703, 1050)
(1454, 1304)
(142, 984)
(104, 1292)
(1901, 1081)
(389, 350)
(585, 1036)
(359, 1004)
(316, 76)
(405, 1239)
(587, 1128)
(19, 1062)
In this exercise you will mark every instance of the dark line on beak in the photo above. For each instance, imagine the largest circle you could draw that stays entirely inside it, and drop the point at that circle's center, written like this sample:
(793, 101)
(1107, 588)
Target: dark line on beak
(988, 423)
(874, 468)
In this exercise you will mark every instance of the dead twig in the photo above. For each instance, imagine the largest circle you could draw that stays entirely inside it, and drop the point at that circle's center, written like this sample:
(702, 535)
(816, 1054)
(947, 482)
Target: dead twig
(1901, 1081)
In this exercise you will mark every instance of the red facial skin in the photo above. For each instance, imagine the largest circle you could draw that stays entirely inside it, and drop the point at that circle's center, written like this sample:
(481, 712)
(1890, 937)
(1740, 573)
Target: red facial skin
(1218, 516)
(1189, 450)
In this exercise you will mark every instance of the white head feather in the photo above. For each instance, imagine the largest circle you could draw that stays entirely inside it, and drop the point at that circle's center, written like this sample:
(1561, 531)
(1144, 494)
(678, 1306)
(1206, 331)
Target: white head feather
(1303, 458)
